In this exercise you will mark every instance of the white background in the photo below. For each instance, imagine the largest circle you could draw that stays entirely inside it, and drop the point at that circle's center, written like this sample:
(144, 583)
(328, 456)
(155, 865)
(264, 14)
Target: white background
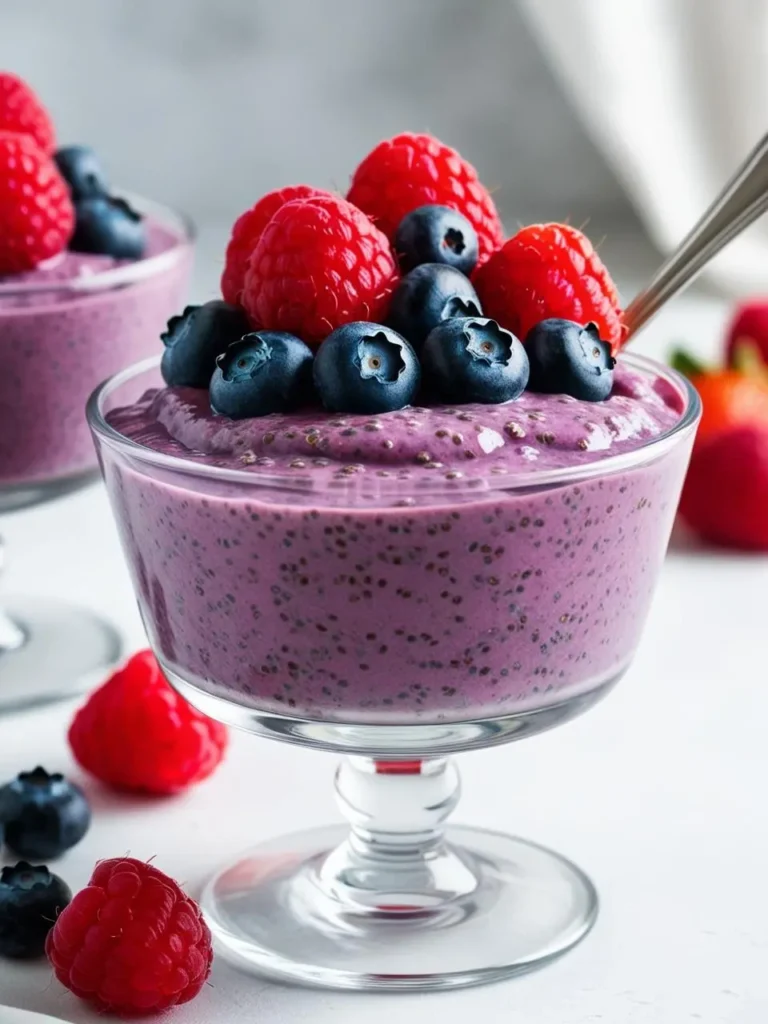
(659, 793)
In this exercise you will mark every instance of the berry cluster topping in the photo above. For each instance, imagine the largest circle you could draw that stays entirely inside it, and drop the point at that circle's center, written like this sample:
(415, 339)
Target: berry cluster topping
(53, 199)
(135, 733)
(43, 815)
(132, 942)
(404, 291)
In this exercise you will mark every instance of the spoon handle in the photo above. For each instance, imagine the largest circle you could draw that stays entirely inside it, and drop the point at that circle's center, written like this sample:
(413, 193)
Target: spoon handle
(741, 202)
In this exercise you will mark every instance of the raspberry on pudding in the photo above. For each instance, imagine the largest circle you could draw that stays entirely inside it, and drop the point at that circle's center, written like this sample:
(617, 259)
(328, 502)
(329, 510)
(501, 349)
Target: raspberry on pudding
(86, 279)
(439, 520)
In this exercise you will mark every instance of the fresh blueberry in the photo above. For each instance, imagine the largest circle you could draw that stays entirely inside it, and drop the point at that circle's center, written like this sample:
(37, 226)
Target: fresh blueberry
(266, 371)
(43, 814)
(108, 226)
(31, 898)
(428, 295)
(195, 339)
(567, 358)
(436, 234)
(366, 368)
(81, 169)
(474, 360)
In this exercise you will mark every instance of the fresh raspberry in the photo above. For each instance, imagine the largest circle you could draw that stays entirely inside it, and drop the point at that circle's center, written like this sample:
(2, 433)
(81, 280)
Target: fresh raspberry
(136, 733)
(320, 263)
(246, 232)
(36, 213)
(132, 941)
(22, 111)
(725, 495)
(549, 270)
(410, 170)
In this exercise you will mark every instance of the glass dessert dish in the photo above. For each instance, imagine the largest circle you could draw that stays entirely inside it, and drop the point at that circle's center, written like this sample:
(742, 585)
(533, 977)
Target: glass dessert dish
(63, 327)
(308, 583)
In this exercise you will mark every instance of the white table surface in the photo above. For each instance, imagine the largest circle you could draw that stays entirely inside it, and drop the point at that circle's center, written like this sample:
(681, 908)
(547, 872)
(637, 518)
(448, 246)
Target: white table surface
(659, 793)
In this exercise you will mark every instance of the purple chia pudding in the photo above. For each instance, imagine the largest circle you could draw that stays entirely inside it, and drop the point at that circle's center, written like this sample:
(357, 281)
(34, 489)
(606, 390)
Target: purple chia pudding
(63, 328)
(428, 565)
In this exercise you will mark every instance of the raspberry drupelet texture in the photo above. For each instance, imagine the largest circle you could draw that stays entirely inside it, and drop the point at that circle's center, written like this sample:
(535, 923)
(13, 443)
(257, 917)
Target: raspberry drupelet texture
(136, 733)
(246, 232)
(132, 941)
(319, 263)
(36, 213)
(411, 170)
(545, 271)
(22, 111)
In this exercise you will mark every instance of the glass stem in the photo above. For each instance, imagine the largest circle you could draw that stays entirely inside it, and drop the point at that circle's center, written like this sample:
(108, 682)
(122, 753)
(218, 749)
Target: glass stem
(396, 857)
(11, 637)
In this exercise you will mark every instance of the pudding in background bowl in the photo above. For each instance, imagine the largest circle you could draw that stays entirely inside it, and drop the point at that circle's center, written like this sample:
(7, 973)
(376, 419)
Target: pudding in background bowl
(66, 325)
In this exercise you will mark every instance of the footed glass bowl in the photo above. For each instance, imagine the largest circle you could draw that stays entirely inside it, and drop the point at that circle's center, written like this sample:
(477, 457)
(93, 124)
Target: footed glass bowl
(396, 623)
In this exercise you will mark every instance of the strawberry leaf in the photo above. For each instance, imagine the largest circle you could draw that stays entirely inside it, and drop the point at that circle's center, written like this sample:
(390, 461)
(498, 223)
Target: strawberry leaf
(687, 364)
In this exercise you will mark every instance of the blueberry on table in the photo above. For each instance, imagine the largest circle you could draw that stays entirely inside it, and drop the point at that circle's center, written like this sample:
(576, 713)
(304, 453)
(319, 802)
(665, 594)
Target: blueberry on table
(436, 234)
(263, 372)
(474, 360)
(81, 169)
(31, 898)
(194, 339)
(568, 358)
(107, 226)
(429, 294)
(43, 814)
(366, 368)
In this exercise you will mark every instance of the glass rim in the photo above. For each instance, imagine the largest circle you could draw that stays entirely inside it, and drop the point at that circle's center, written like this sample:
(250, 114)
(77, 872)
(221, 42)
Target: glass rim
(645, 453)
(128, 273)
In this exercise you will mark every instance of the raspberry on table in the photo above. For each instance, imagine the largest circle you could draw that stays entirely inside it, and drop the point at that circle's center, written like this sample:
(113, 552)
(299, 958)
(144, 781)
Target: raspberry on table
(246, 232)
(410, 170)
(136, 733)
(319, 263)
(36, 213)
(132, 941)
(549, 271)
(22, 111)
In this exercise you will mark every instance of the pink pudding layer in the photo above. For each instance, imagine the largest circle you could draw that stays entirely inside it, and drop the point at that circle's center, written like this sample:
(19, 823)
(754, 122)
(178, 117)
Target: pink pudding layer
(414, 566)
(58, 344)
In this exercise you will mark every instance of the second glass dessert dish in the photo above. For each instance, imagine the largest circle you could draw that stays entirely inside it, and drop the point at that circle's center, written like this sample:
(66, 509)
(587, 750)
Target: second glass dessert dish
(87, 280)
(374, 507)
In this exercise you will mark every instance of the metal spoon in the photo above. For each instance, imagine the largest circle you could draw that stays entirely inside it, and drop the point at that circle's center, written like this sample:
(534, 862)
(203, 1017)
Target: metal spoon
(741, 202)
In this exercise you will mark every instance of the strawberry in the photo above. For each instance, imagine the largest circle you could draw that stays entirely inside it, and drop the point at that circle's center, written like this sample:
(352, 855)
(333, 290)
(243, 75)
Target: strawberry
(725, 496)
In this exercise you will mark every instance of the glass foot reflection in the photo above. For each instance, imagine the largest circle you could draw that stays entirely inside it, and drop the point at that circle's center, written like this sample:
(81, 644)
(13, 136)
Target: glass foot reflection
(51, 651)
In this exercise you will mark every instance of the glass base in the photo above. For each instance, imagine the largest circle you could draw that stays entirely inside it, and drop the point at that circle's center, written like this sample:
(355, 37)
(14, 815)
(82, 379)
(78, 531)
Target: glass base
(507, 906)
(397, 901)
(51, 651)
